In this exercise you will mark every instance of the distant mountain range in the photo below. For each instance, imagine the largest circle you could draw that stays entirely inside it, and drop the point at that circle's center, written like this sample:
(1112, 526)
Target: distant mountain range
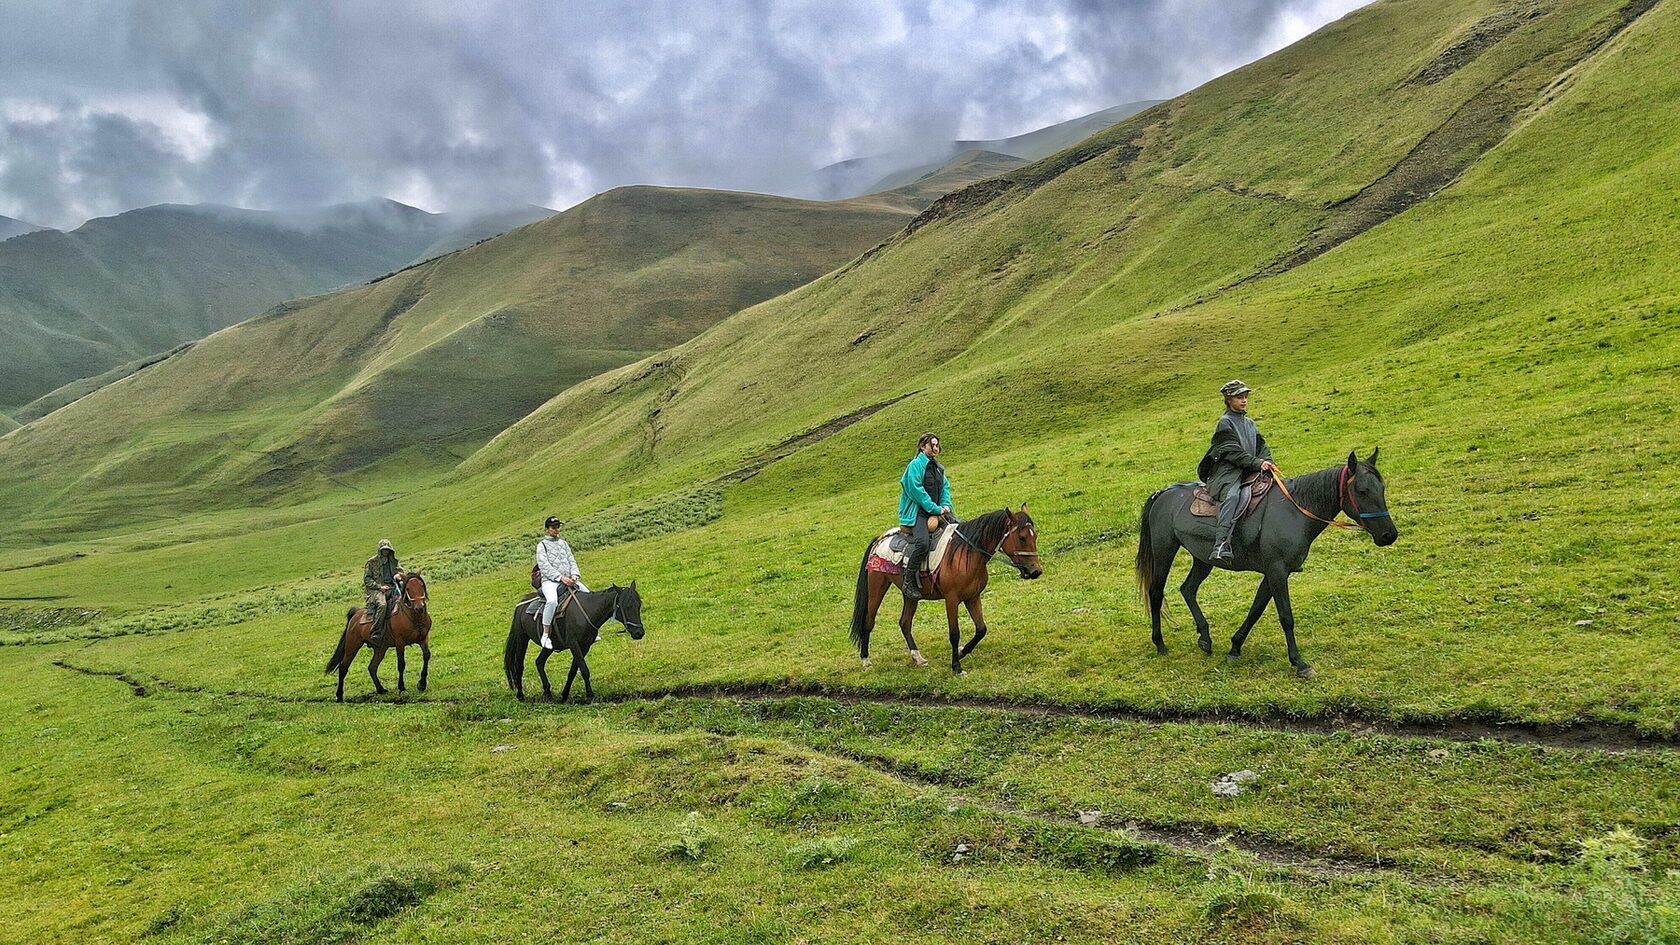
(116, 289)
(900, 167)
(404, 376)
(10, 228)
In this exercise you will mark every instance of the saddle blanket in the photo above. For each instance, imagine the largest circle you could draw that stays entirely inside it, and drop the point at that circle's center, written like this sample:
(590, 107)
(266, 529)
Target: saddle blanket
(889, 552)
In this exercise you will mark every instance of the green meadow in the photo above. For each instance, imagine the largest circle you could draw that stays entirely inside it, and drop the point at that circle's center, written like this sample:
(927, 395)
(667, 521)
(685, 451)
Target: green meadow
(1464, 258)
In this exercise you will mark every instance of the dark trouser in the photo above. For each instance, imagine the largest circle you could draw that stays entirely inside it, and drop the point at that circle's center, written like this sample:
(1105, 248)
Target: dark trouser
(1228, 509)
(921, 542)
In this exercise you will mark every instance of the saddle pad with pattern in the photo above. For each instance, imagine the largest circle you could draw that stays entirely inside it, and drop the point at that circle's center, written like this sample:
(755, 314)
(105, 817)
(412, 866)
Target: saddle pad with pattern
(1202, 503)
(893, 546)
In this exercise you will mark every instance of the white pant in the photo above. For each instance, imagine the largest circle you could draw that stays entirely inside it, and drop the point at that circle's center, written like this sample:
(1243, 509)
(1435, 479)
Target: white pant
(551, 596)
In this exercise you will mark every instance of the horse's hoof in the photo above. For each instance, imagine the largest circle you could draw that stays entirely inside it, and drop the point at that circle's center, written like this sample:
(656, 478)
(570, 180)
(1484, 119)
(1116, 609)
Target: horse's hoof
(959, 672)
(1160, 649)
(1233, 657)
(1305, 672)
(868, 663)
(1205, 645)
(917, 658)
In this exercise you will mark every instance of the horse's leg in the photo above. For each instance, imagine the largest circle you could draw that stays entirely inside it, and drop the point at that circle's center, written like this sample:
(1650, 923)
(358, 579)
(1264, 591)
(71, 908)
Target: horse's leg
(542, 658)
(956, 636)
(1278, 578)
(872, 605)
(973, 605)
(425, 662)
(1262, 597)
(1162, 567)
(571, 674)
(373, 670)
(906, 619)
(583, 667)
(1199, 570)
(351, 647)
(402, 669)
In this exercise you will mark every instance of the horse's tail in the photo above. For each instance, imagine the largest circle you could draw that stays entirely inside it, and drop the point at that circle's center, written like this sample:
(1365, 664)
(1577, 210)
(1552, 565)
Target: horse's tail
(343, 643)
(1145, 554)
(860, 604)
(513, 654)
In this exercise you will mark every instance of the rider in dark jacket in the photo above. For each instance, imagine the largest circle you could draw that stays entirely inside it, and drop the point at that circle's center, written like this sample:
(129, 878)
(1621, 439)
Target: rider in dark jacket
(379, 579)
(924, 496)
(1237, 452)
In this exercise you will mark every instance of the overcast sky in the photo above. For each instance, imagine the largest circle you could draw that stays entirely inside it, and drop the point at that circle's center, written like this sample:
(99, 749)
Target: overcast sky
(106, 105)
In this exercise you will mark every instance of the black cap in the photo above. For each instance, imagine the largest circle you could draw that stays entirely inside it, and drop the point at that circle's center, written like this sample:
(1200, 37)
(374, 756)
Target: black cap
(552, 521)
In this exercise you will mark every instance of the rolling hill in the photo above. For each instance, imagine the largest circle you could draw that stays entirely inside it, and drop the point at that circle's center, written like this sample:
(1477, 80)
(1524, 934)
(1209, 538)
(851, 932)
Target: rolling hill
(1444, 228)
(76, 304)
(402, 377)
(897, 168)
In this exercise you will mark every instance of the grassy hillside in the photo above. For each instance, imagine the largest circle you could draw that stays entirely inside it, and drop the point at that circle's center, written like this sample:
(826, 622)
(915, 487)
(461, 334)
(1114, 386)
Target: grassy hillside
(116, 289)
(402, 377)
(929, 182)
(1420, 228)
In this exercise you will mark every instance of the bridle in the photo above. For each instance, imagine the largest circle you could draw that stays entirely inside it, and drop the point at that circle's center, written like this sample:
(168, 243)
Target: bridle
(416, 604)
(1344, 497)
(617, 614)
(1007, 556)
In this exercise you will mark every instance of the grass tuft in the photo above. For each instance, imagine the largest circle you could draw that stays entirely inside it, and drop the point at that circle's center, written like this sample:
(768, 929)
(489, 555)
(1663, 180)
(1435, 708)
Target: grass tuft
(331, 907)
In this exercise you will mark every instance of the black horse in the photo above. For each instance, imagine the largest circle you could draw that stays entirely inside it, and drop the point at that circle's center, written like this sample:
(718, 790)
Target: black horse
(1273, 540)
(576, 625)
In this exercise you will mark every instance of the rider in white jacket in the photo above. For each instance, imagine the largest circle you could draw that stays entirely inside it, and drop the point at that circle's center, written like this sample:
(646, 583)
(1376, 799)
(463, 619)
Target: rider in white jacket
(558, 566)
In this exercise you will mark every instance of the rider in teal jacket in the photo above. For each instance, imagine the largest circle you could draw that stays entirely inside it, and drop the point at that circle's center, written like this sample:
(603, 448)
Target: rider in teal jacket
(923, 479)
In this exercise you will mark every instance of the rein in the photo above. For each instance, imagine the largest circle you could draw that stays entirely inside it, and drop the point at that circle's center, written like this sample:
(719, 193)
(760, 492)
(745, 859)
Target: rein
(615, 615)
(992, 554)
(1341, 490)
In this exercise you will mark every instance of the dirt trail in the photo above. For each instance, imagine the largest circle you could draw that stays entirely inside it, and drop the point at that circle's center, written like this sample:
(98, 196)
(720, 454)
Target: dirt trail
(1586, 737)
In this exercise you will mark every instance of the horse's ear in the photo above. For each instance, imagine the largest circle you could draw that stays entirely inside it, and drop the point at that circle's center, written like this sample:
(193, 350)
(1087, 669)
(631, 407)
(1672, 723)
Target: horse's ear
(1353, 461)
(632, 583)
(1023, 508)
(1372, 459)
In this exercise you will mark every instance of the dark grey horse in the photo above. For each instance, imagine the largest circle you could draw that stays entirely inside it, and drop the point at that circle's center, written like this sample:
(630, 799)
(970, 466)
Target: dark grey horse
(575, 628)
(1273, 540)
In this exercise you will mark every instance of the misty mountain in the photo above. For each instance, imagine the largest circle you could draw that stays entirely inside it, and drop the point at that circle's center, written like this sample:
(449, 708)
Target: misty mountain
(116, 289)
(897, 168)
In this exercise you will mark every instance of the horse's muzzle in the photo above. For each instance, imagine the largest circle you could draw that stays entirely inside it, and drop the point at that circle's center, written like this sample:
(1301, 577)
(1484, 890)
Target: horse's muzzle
(1032, 575)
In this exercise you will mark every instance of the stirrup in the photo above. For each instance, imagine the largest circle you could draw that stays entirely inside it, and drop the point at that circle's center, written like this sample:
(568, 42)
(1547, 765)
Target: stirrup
(1222, 550)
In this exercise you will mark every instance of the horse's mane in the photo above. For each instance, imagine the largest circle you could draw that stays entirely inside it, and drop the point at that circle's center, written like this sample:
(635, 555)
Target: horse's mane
(1317, 489)
(984, 529)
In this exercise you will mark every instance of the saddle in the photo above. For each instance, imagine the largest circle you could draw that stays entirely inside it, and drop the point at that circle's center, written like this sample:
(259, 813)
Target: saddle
(535, 609)
(1203, 504)
(893, 547)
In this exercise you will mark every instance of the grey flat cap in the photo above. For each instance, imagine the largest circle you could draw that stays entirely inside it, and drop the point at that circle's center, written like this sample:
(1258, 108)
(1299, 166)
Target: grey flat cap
(1233, 388)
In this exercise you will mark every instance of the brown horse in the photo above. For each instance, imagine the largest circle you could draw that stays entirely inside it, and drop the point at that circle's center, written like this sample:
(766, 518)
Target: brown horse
(961, 579)
(409, 624)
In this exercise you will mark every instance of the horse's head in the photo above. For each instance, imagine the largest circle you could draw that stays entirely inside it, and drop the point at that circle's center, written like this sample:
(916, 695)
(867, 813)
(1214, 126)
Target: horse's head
(414, 591)
(1365, 499)
(1020, 543)
(628, 610)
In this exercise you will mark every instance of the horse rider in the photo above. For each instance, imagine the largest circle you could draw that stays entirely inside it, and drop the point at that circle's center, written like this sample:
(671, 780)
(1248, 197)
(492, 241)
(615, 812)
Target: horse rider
(558, 566)
(918, 508)
(379, 577)
(1237, 452)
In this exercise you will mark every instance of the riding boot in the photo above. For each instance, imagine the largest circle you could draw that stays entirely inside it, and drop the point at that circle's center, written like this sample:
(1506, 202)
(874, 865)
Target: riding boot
(913, 574)
(376, 636)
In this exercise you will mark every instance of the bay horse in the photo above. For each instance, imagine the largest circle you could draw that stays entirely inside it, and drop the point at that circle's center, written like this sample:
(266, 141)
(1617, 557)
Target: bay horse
(961, 579)
(410, 625)
(576, 624)
(1273, 539)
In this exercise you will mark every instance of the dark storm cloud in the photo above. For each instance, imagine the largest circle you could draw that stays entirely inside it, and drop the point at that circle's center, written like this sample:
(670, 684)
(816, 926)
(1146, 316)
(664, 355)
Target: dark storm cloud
(110, 104)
